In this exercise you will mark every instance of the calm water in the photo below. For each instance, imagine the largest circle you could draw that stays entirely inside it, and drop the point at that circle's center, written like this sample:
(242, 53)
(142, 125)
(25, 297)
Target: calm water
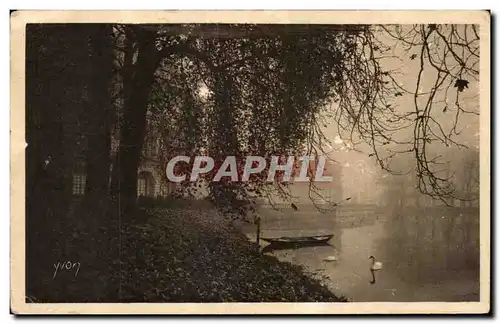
(418, 265)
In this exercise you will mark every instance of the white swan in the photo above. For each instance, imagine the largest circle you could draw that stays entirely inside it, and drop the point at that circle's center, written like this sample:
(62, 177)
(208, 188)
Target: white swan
(375, 264)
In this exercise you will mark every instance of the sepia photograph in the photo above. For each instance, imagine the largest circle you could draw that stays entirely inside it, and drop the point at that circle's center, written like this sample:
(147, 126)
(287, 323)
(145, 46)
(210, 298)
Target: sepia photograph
(246, 162)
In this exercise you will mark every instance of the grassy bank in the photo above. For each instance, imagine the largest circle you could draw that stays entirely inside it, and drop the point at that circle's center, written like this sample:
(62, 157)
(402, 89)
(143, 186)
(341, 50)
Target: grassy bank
(195, 255)
(181, 255)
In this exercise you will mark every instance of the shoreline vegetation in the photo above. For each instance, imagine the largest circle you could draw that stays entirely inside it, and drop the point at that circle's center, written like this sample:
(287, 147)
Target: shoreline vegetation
(178, 255)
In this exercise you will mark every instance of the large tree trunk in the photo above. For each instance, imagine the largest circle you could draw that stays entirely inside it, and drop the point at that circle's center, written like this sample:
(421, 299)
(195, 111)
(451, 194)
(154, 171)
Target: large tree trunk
(137, 85)
(225, 141)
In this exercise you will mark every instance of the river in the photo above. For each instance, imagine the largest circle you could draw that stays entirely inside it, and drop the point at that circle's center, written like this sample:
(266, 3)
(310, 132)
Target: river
(422, 261)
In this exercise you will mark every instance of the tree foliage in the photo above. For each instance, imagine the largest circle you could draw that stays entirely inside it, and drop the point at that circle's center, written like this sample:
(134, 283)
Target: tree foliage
(262, 94)
(274, 92)
(242, 90)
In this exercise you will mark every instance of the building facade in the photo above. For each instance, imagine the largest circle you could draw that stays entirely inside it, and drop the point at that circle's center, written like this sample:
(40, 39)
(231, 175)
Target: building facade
(151, 181)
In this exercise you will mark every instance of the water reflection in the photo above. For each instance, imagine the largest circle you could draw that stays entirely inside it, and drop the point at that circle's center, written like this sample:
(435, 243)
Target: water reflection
(427, 256)
(373, 276)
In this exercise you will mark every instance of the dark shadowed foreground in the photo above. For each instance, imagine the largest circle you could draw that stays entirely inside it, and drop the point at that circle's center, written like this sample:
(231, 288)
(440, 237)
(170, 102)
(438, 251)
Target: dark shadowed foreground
(179, 255)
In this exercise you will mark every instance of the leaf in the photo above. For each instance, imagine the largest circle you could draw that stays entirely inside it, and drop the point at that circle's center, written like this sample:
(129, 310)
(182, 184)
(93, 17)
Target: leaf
(460, 84)
(398, 94)
(413, 56)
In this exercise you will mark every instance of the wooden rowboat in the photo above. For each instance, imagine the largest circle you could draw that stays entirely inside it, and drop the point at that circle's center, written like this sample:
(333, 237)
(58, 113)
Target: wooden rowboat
(299, 240)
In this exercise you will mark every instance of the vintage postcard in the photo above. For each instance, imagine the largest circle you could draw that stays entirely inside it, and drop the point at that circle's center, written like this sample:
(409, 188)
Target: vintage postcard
(250, 162)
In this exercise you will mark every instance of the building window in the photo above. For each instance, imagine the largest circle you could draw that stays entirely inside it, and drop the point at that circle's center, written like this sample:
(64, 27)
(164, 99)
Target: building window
(145, 184)
(163, 190)
(79, 184)
(141, 186)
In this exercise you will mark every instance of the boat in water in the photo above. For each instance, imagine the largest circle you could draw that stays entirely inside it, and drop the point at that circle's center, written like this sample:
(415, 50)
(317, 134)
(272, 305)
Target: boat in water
(299, 240)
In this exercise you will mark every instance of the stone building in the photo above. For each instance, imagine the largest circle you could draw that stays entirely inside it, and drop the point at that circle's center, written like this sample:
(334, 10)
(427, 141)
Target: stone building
(150, 180)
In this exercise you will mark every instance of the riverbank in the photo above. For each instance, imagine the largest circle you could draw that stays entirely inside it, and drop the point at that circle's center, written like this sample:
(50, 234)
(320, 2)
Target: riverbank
(197, 256)
(181, 255)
